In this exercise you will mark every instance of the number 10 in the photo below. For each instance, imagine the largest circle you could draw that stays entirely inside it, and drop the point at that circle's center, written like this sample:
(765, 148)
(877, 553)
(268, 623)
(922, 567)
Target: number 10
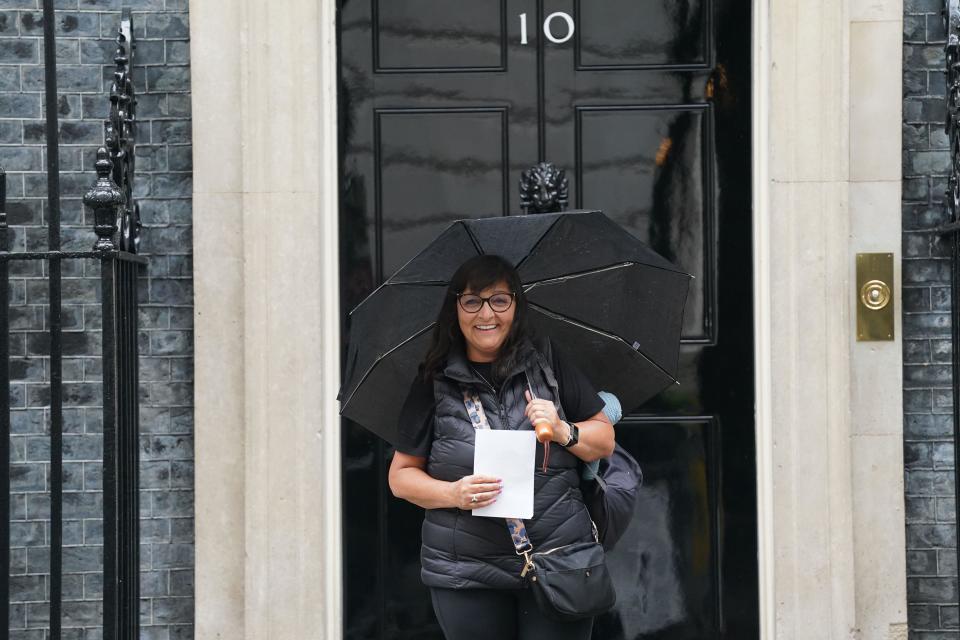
(548, 27)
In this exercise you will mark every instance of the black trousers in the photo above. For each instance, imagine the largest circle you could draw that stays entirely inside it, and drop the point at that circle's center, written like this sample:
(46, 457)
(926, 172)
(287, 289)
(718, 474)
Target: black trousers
(500, 614)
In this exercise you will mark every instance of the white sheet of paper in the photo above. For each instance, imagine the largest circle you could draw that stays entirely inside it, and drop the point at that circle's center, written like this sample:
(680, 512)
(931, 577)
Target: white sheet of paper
(510, 456)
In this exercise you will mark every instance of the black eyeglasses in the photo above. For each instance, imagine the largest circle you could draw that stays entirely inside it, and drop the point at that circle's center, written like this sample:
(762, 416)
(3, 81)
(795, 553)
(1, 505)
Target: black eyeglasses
(472, 303)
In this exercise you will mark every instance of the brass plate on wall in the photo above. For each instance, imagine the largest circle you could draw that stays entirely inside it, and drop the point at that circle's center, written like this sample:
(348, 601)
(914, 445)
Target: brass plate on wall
(875, 312)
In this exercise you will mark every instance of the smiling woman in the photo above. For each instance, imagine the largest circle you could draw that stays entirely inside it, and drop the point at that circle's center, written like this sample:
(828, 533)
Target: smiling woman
(485, 318)
(486, 301)
(482, 341)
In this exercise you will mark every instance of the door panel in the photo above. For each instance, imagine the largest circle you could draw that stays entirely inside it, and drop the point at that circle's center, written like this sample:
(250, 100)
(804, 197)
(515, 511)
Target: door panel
(448, 122)
(616, 34)
(666, 571)
(646, 167)
(440, 35)
(413, 149)
(647, 108)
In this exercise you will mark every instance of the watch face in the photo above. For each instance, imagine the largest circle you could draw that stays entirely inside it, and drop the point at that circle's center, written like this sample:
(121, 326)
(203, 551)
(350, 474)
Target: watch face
(574, 435)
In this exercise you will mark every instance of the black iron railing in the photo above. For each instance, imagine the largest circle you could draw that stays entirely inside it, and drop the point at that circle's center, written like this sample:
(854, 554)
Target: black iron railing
(115, 243)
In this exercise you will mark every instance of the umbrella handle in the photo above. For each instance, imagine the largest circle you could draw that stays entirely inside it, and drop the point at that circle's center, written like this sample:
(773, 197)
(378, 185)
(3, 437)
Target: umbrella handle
(544, 431)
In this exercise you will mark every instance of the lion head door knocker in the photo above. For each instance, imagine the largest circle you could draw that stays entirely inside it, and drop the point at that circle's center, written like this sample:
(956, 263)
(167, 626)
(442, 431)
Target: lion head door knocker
(544, 189)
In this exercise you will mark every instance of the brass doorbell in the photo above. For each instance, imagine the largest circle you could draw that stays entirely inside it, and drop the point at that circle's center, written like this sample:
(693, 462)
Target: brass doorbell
(875, 312)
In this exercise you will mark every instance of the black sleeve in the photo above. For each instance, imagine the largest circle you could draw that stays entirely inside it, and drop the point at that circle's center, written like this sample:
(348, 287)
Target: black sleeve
(415, 424)
(577, 394)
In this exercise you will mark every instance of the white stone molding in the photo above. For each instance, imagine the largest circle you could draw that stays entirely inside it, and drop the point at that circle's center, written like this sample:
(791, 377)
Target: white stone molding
(268, 548)
(827, 81)
(829, 460)
(763, 340)
(219, 322)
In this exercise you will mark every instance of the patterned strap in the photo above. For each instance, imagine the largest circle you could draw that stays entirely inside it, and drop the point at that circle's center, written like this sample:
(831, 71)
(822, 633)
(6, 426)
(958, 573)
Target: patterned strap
(518, 530)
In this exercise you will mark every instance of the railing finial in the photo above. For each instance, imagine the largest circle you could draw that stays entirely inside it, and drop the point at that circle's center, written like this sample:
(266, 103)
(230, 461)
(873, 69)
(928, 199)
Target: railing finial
(951, 23)
(3, 201)
(104, 198)
(120, 136)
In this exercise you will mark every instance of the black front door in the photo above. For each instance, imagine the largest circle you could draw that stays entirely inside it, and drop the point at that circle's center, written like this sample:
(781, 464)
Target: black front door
(646, 104)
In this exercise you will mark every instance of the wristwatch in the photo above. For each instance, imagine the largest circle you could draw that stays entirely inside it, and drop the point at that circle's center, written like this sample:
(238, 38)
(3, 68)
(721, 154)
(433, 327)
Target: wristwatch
(574, 435)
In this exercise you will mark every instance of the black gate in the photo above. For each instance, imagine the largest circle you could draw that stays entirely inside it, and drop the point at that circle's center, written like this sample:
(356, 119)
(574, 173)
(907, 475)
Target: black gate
(114, 253)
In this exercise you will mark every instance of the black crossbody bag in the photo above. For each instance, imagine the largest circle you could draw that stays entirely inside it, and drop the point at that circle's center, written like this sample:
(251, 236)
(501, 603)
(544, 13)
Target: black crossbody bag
(570, 582)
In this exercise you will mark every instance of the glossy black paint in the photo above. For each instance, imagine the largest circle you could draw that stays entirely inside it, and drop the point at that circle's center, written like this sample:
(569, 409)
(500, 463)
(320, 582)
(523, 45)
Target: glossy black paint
(647, 110)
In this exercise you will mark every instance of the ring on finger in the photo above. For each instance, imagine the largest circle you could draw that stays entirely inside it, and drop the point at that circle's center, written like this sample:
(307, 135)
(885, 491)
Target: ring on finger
(474, 498)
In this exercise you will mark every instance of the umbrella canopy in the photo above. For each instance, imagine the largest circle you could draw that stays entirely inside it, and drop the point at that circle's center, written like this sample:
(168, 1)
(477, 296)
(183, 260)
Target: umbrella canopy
(604, 297)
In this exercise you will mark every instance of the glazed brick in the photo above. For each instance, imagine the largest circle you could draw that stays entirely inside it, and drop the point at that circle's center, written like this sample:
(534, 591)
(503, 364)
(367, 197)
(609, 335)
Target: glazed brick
(68, 23)
(168, 78)
(916, 299)
(69, 78)
(84, 53)
(922, 562)
(947, 562)
(921, 6)
(928, 483)
(917, 400)
(927, 375)
(947, 512)
(923, 616)
(932, 590)
(167, 25)
(935, 536)
(921, 325)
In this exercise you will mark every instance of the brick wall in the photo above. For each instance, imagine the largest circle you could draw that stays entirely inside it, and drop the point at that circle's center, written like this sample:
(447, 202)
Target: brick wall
(86, 31)
(927, 396)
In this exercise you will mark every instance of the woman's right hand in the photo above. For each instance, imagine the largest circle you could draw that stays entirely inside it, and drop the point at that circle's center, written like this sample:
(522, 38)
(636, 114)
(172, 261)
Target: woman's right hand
(474, 491)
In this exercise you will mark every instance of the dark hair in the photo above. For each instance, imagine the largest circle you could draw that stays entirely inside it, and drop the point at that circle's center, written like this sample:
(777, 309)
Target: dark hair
(477, 274)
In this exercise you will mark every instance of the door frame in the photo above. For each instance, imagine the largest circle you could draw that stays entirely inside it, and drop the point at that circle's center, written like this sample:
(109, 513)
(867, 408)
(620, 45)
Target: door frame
(259, 77)
(827, 102)
(762, 345)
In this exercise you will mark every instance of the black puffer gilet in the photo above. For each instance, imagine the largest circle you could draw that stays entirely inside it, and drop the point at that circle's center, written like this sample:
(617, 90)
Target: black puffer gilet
(461, 550)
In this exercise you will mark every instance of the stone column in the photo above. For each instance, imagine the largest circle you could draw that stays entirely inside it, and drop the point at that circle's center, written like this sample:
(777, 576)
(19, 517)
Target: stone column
(876, 368)
(827, 179)
(267, 357)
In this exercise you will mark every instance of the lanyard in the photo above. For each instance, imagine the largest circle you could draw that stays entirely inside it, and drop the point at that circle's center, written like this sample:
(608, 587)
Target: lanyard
(518, 530)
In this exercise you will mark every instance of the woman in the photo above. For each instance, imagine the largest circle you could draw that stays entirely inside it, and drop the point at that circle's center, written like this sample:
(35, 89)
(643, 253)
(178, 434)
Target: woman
(482, 341)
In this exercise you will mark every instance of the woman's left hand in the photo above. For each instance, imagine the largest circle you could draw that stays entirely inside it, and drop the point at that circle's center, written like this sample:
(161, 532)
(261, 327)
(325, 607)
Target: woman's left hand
(540, 410)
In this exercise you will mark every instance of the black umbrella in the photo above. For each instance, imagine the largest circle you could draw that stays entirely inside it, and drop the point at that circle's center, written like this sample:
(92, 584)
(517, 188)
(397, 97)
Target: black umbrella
(604, 297)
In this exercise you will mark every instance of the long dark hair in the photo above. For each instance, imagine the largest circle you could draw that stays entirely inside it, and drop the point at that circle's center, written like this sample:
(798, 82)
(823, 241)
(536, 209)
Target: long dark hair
(477, 274)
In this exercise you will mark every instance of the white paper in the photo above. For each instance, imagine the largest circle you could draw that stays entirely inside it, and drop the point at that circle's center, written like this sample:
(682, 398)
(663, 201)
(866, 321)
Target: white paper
(510, 456)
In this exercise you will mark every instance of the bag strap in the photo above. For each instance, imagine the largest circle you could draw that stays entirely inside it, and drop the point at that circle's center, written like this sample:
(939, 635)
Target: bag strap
(544, 356)
(516, 526)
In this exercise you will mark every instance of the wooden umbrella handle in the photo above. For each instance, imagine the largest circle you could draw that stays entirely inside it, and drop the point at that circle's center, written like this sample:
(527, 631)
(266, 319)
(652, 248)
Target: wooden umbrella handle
(544, 432)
